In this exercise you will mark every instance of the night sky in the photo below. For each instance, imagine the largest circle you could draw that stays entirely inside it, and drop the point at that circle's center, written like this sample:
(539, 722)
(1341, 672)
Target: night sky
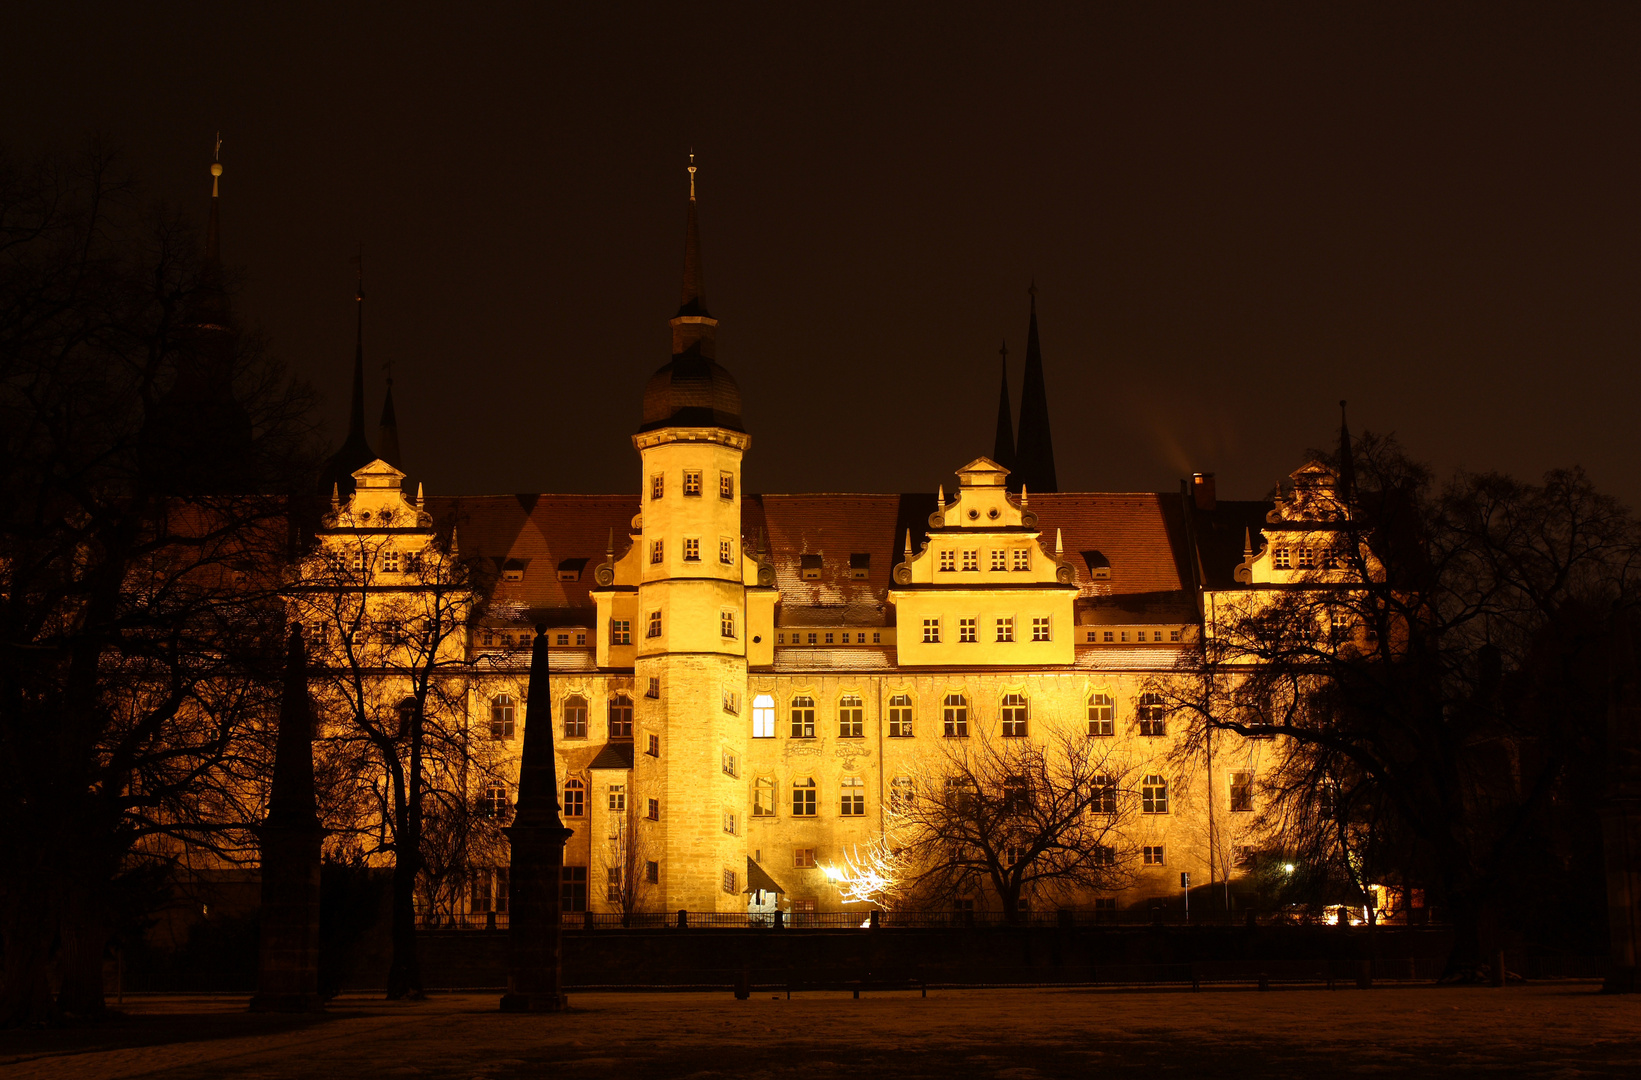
(1236, 214)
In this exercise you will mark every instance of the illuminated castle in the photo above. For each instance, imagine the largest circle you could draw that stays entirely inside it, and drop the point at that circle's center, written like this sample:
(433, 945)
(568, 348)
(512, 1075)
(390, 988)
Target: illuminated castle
(742, 680)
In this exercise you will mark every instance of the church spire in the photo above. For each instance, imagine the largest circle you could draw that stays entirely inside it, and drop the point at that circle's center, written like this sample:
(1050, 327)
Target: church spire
(1034, 449)
(387, 436)
(213, 227)
(1003, 448)
(355, 452)
(1347, 463)
(693, 328)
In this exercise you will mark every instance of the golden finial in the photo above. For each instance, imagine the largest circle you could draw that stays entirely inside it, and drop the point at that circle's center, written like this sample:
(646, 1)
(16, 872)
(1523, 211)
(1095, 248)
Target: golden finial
(216, 165)
(692, 172)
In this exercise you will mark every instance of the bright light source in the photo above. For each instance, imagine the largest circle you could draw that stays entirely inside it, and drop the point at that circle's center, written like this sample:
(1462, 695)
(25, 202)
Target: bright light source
(1287, 868)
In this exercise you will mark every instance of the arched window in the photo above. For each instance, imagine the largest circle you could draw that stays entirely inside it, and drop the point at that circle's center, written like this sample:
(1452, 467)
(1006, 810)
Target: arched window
(763, 717)
(763, 797)
(851, 717)
(900, 716)
(803, 797)
(1014, 716)
(501, 716)
(803, 717)
(575, 798)
(1152, 715)
(852, 800)
(575, 717)
(1154, 795)
(621, 717)
(954, 711)
(494, 803)
(1101, 715)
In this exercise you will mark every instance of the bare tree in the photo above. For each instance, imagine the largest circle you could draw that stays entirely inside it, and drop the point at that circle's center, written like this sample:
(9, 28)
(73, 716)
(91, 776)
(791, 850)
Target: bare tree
(626, 873)
(1016, 818)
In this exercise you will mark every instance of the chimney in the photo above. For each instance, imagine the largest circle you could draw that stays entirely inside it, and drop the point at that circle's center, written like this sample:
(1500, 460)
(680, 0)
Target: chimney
(1202, 490)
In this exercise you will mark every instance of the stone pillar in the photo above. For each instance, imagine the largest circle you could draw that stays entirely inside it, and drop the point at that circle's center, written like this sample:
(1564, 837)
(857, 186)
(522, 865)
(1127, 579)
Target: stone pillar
(288, 964)
(537, 836)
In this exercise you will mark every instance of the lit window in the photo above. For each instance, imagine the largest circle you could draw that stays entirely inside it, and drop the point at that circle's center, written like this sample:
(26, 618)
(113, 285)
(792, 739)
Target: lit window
(494, 803)
(1014, 716)
(1109, 637)
(803, 858)
(658, 486)
(851, 722)
(971, 560)
(966, 631)
(1152, 715)
(621, 717)
(954, 713)
(803, 797)
(853, 798)
(999, 559)
(575, 798)
(655, 625)
(948, 560)
(692, 481)
(1039, 628)
(575, 717)
(620, 632)
(1005, 628)
(726, 485)
(573, 890)
(692, 549)
(1242, 792)
(726, 624)
(803, 717)
(1279, 558)
(501, 716)
(763, 717)
(1022, 558)
(657, 551)
(1154, 795)
(1101, 715)
(726, 551)
(617, 798)
(900, 716)
(763, 797)
(730, 765)
(1152, 854)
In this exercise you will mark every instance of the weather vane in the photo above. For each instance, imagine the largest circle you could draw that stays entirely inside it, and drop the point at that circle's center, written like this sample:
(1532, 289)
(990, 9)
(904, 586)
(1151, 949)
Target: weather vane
(218, 155)
(692, 172)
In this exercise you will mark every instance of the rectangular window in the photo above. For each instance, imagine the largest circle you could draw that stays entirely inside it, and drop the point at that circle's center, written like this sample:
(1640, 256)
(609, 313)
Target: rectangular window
(575, 718)
(877, 637)
(563, 639)
(803, 717)
(1039, 628)
(999, 559)
(652, 872)
(658, 551)
(811, 637)
(829, 637)
(803, 798)
(729, 822)
(655, 625)
(900, 717)
(803, 858)
(780, 639)
(692, 549)
(1101, 716)
(1153, 855)
(617, 798)
(931, 631)
(955, 715)
(971, 560)
(851, 717)
(573, 889)
(612, 888)
(654, 690)
(763, 717)
(390, 561)
(620, 631)
(1109, 637)
(853, 798)
(658, 486)
(1173, 635)
(1124, 635)
(726, 624)
(763, 797)
(1242, 792)
(729, 882)
(1005, 628)
(732, 702)
(1154, 795)
(1022, 558)
(1305, 559)
(729, 764)
(1103, 799)
(654, 748)
(948, 559)
(692, 482)
(726, 485)
(966, 631)
(726, 551)
(1014, 716)
(1279, 559)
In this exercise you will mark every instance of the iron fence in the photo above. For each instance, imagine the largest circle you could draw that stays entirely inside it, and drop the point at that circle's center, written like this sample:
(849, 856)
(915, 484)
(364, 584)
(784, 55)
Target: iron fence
(864, 919)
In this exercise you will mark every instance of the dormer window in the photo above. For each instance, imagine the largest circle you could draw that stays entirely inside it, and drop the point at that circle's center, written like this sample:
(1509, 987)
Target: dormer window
(570, 569)
(1099, 567)
(810, 567)
(512, 570)
(860, 565)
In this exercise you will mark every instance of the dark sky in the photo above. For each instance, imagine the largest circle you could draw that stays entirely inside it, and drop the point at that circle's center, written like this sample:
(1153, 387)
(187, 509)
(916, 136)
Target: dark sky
(1236, 214)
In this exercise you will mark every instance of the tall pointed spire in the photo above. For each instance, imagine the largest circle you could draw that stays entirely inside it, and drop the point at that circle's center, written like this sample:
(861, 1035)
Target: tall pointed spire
(387, 435)
(693, 298)
(1003, 448)
(1347, 462)
(1034, 449)
(355, 452)
(213, 227)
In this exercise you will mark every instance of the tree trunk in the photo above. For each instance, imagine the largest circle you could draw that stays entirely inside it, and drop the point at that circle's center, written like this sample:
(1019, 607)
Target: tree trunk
(25, 982)
(404, 977)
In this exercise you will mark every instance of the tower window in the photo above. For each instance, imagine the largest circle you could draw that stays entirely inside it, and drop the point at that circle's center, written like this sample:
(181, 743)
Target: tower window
(575, 717)
(726, 551)
(658, 486)
(692, 549)
(730, 766)
(948, 560)
(621, 717)
(726, 624)
(1005, 628)
(726, 485)
(655, 625)
(851, 714)
(955, 714)
(657, 551)
(900, 716)
(692, 482)
(653, 812)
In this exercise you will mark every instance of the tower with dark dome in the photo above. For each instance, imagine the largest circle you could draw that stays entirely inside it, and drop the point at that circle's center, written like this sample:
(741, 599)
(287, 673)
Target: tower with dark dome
(688, 639)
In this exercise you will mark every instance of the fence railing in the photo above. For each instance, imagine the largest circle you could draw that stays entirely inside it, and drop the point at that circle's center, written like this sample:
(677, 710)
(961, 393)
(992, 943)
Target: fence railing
(863, 920)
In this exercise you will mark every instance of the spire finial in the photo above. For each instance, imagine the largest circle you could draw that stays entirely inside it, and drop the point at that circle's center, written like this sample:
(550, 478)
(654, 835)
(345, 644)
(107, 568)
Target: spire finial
(692, 174)
(213, 226)
(216, 164)
(1247, 544)
(908, 545)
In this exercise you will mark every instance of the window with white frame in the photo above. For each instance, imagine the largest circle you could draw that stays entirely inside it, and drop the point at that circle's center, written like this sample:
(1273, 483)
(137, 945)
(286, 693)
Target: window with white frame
(948, 560)
(900, 716)
(803, 859)
(726, 485)
(729, 881)
(575, 717)
(658, 551)
(1153, 855)
(901, 793)
(617, 798)
(1151, 715)
(1103, 795)
(852, 797)
(732, 702)
(729, 822)
(1039, 628)
(851, 717)
(1101, 715)
(954, 712)
(1154, 794)
(620, 726)
(658, 486)
(763, 717)
(501, 716)
(730, 765)
(1022, 558)
(763, 797)
(1279, 559)
(1005, 628)
(390, 561)
(575, 798)
(803, 717)
(966, 632)
(931, 631)
(1014, 716)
